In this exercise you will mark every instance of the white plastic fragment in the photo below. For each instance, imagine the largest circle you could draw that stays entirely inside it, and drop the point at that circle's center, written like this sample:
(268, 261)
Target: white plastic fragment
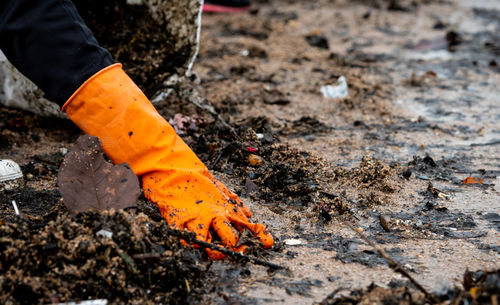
(9, 170)
(89, 302)
(409, 267)
(15, 207)
(104, 233)
(444, 196)
(339, 90)
(293, 242)
(63, 151)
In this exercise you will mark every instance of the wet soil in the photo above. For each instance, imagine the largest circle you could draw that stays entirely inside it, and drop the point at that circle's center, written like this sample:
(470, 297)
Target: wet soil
(144, 46)
(390, 158)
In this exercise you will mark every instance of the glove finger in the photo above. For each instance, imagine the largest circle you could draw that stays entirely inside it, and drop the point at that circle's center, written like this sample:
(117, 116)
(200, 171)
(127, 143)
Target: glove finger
(178, 223)
(226, 191)
(241, 249)
(239, 211)
(259, 231)
(199, 228)
(226, 232)
(213, 254)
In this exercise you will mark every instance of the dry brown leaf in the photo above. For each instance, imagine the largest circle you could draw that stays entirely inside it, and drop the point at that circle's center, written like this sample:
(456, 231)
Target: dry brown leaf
(86, 181)
(472, 180)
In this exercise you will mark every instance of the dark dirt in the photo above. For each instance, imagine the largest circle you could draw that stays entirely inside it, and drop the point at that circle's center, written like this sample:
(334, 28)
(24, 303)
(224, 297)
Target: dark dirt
(477, 288)
(67, 260)
(134, 39)
(397, 148)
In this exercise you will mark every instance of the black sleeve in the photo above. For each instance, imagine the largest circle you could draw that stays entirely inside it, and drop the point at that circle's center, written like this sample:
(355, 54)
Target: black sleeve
(49, 43)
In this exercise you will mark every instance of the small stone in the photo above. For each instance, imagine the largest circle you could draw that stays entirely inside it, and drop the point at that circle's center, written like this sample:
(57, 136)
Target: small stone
(384, 223)
(255, 160)
(309, 138)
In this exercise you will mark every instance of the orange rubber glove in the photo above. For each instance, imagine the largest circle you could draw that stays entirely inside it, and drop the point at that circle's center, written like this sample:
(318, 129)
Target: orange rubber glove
(111, 107)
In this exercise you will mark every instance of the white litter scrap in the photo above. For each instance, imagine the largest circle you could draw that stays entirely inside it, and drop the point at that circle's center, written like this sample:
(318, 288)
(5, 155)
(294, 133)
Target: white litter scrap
(89, 302)
(104, 234)
(444, 196)
(293, 242)
(15, 207)
(339, 90)
(9, 170)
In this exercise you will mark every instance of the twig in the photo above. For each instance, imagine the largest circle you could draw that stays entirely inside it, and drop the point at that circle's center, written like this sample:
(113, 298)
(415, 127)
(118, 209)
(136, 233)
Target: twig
(128, 260)
(191, 237)
(145, 256)
(195, 99)
(393, 264)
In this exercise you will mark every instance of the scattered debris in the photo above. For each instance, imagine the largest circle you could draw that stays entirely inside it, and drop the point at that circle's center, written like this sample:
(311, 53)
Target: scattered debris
(258, 89)
(87, 181)
(183, 124)
(393, 264)
(336, 91)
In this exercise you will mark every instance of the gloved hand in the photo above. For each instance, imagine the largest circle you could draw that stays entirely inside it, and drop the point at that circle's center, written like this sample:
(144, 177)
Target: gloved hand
(110, 106)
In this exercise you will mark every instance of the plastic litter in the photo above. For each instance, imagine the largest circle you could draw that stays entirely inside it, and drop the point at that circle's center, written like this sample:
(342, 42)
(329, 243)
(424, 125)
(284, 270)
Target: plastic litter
(9, 170)
(339, 90)
(15, 207)
(293, 242)
(104, 234)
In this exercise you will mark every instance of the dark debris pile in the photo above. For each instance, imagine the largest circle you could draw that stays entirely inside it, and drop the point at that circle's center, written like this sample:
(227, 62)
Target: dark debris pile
(134, 38)
(71, 259)
(267, 169)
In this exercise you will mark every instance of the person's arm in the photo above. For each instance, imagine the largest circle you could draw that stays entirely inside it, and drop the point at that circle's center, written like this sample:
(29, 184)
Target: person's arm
(48, 42)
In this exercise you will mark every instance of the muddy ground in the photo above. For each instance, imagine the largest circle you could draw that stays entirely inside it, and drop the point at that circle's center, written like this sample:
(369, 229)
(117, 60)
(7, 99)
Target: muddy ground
(421, 116)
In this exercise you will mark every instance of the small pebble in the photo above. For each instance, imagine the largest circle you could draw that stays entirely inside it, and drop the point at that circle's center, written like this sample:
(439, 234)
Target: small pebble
(255, 160)
(309, 138)
(384, 223)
